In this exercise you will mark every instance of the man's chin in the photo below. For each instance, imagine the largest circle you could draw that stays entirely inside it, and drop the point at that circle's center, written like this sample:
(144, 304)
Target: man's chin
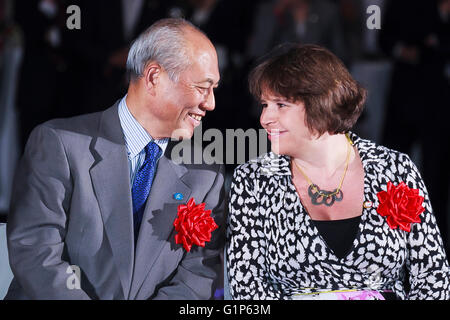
(182, 134)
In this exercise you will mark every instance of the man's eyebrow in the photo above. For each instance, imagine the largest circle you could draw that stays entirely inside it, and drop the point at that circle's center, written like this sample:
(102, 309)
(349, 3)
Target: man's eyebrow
(209, 81)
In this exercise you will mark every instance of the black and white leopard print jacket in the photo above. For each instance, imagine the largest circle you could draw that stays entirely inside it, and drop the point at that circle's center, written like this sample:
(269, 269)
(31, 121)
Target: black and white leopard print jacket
(274, 250)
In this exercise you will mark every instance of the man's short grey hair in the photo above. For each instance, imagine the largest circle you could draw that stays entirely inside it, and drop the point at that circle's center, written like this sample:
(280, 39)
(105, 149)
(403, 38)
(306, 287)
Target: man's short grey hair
(163, 42)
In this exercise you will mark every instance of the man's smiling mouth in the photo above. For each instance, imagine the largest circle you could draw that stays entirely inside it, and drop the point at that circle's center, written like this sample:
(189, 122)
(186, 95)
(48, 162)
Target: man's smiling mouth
(195, 116)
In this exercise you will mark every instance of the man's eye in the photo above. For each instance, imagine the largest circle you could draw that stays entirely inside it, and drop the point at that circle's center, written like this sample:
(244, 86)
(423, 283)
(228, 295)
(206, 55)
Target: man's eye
(263, 105)
(281, 105)
(203, 89)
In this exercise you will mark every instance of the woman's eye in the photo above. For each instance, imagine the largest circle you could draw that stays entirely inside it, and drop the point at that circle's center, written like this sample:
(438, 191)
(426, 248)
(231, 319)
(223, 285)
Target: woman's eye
(280, 105)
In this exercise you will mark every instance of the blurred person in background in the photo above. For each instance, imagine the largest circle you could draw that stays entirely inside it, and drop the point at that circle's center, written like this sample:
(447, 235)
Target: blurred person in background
(98, 51)
(42, 89)
(300, 21)
(416, 36)
(10, 57)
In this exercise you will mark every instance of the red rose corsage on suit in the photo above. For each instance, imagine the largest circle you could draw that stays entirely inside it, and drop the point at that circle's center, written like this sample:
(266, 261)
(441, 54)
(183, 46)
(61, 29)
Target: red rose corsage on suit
(401, 205)
(193, 224)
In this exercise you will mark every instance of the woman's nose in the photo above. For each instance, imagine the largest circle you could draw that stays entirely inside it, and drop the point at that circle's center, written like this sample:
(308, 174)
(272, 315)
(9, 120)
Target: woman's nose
(268, 116)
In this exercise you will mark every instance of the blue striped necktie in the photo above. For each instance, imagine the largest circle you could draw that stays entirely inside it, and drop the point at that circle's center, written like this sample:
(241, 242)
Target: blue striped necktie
(142, 184)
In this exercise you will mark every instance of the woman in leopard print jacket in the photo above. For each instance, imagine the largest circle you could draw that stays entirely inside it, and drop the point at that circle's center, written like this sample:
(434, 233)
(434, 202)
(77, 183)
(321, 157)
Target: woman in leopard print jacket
(326, 214)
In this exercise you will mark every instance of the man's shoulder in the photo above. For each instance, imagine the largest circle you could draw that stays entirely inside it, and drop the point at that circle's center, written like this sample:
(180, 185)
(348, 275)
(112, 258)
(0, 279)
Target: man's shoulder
(74, 131)
(80, 123)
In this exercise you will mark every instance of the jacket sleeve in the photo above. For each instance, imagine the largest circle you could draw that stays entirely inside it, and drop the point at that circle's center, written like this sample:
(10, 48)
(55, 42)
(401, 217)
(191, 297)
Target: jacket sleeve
(427, 264)
(36, 226)
(245, 236)
(198, 273)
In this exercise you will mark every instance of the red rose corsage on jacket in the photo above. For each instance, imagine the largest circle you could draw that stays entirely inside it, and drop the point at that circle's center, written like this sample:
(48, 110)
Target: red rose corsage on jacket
(401, 205)
(193, 224)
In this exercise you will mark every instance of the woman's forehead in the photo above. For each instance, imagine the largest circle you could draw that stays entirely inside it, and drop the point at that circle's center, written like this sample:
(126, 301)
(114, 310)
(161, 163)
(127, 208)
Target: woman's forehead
(267, 94)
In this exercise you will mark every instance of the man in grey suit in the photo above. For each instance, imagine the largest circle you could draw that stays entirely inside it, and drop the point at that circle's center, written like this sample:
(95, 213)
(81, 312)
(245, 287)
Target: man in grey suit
(73, 229)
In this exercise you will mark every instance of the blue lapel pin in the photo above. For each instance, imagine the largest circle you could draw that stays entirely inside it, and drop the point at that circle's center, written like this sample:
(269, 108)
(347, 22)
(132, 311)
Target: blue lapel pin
(178, 196)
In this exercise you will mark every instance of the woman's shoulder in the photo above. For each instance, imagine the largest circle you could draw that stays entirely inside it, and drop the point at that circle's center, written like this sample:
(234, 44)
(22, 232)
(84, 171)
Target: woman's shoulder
(372, 151)
(267, 164)
(379, 160)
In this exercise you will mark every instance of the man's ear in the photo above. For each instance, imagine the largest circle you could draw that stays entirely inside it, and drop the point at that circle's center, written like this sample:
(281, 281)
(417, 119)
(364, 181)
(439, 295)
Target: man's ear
(152, 73)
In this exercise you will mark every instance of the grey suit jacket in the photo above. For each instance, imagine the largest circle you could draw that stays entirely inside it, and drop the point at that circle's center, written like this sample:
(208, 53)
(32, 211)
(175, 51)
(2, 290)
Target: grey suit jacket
(72, 205)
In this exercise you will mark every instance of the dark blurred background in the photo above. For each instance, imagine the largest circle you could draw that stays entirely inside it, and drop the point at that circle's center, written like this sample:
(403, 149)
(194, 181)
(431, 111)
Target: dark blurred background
(48, 71)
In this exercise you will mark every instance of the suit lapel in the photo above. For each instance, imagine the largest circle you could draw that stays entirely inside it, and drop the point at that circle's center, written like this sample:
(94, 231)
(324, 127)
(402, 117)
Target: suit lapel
(159, 215)
(111, 182)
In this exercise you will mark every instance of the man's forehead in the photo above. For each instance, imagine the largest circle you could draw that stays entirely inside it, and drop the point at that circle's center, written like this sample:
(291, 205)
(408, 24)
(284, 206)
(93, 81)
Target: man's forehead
(206, 74)
(204, 68)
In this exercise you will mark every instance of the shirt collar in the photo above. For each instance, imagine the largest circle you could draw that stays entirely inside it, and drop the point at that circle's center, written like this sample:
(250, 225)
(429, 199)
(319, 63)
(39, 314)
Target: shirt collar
(136, 137)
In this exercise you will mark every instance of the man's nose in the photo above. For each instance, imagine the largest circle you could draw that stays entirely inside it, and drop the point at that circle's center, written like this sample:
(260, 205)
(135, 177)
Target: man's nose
(209, 103)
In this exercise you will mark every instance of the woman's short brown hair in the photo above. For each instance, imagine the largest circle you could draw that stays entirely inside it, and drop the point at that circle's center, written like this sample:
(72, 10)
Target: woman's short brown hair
(313, 75)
